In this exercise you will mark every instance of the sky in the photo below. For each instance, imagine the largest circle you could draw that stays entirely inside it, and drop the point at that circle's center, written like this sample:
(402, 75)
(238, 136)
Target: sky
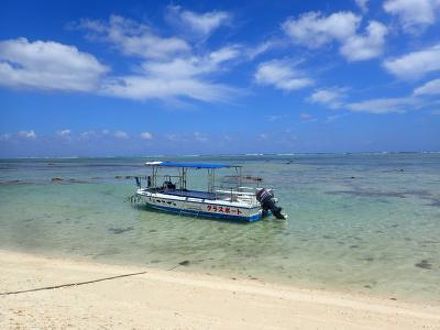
(119, 78)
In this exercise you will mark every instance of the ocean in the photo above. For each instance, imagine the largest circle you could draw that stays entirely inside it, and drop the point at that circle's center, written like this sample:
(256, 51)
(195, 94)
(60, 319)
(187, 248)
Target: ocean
(364, 223)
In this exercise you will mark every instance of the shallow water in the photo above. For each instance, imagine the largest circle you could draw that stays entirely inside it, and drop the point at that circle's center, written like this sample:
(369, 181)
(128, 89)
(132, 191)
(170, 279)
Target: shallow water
(363, 223)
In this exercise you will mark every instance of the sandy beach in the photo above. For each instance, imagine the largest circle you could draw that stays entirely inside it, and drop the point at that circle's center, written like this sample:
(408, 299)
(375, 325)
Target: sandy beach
(158, 299)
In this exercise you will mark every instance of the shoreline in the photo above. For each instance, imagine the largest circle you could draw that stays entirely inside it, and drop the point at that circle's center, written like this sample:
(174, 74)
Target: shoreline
(175, 299)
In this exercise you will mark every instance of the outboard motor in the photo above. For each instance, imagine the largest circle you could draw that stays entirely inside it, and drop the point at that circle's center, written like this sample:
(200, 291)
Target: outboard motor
(267, 201)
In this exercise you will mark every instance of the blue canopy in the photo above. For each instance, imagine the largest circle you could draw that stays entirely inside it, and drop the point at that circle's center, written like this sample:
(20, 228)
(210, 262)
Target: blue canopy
(189, 165)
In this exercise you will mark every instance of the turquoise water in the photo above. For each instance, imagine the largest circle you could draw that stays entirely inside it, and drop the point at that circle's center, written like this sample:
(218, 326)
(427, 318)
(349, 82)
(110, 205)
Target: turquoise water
(365, 223)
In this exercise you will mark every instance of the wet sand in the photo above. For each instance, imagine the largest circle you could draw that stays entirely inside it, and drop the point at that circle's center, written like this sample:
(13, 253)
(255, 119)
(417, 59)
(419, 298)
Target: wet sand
(179, 300)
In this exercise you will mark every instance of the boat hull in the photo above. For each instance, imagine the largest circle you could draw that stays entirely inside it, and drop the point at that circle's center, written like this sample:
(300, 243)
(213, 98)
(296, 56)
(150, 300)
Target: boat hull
(215, 209)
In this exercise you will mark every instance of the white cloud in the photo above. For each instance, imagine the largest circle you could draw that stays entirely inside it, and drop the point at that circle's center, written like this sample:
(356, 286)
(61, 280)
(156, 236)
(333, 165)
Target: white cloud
(313, 30)
(224, 54)
(413, 14)
(331, 97)
(88, 134)
(261, 48)
(146, 136)
(27, 134)
(133, 38)
(48, 65)
(145, 87)
(364, 47)
(64, 133)
(415, 64)
(186, 77)
(362, 4)
(200, 24)
(120, 135)
(170, 70)
(430, 88)
(191, 66)
(385, 105)
(282, 75)
(199, 137)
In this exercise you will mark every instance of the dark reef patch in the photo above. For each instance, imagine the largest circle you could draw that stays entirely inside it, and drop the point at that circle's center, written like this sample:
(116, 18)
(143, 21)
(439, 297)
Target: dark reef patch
(434, 202)
(367, 193)
(424, 264)
(14, 182)
(120, 230)
(422, 194)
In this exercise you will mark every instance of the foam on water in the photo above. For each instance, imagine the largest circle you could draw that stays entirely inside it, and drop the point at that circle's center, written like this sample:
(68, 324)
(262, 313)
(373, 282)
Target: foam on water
(363, 223)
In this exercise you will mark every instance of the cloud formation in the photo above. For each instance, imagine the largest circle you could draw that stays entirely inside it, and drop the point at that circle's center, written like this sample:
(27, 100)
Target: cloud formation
(366, 46)
(48, 65)
(363, 5)
(146, 136)
(413, 14)
(415, 64)
(430, 88)
(133, 38)
(331, 97)
(314, 30)
(197, 24)
(385, 105)
(170, 68)
(282, 75)
(64, 133)
(27, 134)
(121, 135)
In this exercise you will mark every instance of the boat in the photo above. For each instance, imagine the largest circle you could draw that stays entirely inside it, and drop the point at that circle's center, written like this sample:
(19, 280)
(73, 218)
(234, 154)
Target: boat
(231, 201)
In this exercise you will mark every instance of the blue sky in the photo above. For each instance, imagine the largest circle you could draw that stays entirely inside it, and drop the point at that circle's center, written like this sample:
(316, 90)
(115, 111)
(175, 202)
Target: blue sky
(190, 77)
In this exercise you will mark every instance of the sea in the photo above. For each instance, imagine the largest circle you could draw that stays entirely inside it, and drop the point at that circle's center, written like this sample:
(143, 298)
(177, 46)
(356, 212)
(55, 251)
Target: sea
(358, 223)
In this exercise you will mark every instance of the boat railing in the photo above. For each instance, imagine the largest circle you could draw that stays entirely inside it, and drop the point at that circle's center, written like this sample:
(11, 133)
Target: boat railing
(237, 193)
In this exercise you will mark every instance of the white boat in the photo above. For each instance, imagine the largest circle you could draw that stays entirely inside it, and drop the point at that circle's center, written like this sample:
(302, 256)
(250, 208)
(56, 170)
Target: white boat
(233, 203)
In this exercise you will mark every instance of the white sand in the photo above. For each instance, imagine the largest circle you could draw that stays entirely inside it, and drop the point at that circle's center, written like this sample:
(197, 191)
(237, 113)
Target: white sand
(175, 300)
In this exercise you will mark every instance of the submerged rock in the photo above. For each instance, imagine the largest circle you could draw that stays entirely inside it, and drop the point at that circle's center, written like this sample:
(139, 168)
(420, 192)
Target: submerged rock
(424, 264)
(76, 181)
(120, 230)
(11, 182)
(434, 202)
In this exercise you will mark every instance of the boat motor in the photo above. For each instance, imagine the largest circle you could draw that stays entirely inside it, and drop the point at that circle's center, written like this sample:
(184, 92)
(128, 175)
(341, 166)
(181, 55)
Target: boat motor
(268, 202)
